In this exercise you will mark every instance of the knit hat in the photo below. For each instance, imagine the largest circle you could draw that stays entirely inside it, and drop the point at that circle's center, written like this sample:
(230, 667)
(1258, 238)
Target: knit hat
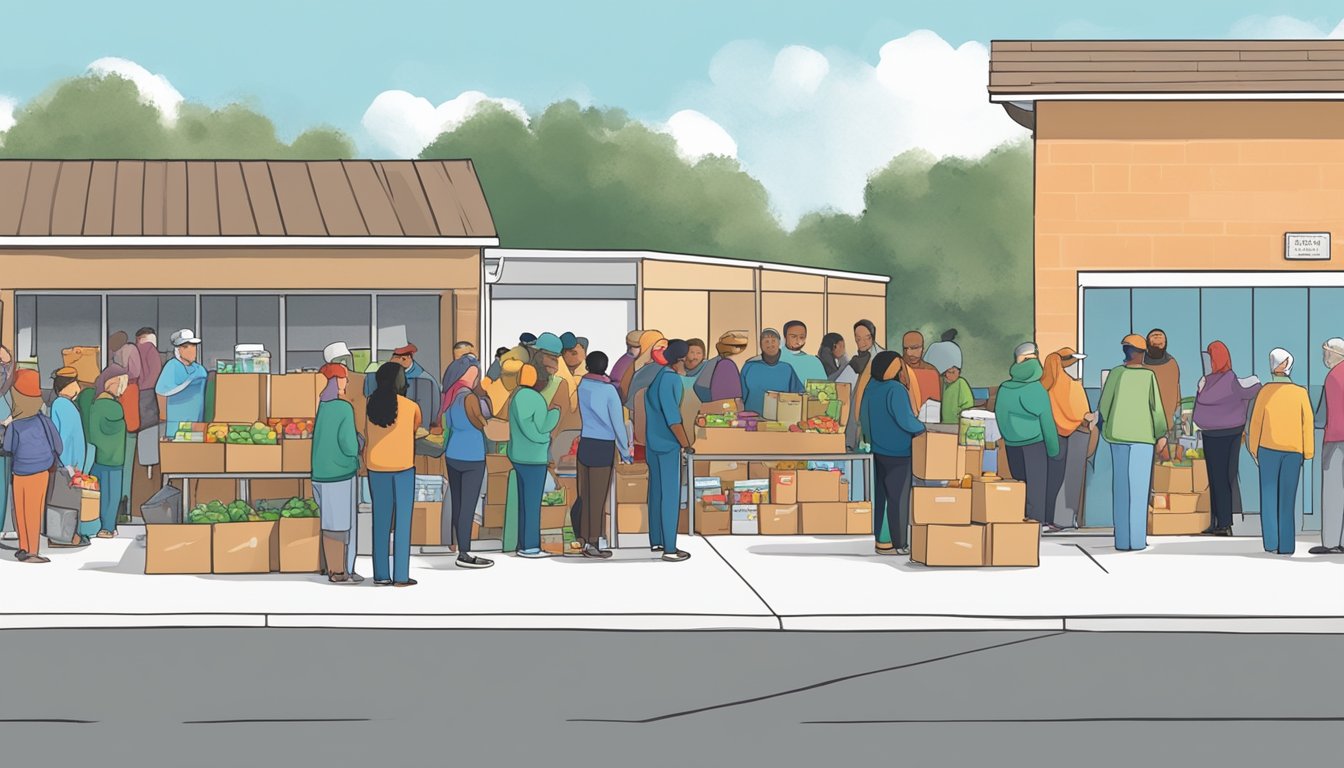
(676, 350)
(27, 383)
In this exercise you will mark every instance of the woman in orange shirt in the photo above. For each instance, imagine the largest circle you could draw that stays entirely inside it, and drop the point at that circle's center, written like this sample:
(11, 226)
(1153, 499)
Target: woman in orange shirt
(390, 435)
(1066, 472)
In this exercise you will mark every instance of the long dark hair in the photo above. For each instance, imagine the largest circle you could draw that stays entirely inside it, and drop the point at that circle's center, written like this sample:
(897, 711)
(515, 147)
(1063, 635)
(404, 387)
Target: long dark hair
(882, 363)
(391, 381)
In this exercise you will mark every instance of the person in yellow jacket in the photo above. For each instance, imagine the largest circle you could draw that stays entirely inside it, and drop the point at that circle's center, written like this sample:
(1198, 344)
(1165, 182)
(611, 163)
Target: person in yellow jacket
(1280, 436)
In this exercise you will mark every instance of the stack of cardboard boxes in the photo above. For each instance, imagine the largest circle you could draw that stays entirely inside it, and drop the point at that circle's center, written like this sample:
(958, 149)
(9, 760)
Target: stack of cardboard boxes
(287, 545)
(782, 498)
(1181, 504)
(961, 517)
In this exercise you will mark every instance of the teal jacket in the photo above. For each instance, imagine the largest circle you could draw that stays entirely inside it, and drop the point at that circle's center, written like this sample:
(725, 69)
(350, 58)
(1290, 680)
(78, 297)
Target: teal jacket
(530, 425)
(1022, 408)
(335, 442)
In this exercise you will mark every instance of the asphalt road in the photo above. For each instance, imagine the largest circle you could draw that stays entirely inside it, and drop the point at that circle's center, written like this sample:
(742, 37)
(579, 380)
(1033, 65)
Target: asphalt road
(279, 697)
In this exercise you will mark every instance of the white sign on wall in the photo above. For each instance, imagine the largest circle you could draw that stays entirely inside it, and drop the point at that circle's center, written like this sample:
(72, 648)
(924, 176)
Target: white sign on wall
(1306, 246)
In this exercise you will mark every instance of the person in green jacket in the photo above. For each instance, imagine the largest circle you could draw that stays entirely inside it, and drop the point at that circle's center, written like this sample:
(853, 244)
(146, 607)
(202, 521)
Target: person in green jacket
(336, 447)
(1027, 424)
(945, 357)
(530, 426)
(105, 430)
(1135, 422)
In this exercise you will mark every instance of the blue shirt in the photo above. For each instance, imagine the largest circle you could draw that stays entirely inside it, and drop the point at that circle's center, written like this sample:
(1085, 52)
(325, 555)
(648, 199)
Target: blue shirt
(759, 377)
(662, 408)
(806, 367)
(70, 428)
(32, 444)
(600, 409)
(184, 388)
(465, 441)
(888, 420)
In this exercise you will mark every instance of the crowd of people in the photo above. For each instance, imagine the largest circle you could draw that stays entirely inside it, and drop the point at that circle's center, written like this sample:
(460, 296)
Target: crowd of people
(549, 388)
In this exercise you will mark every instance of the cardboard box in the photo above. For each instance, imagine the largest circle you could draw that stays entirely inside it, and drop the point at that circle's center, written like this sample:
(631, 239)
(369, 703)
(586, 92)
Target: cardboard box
(499, 464)
(1171, 524)
(556, 516)
(492, 515)
(633, 487)
(191, 458)
(1000, 501)
(818, 485)
(779, 519)
(821, 518)
(948, 545)
(85, 362)
(1013, 544)
(246, 547)
(1173, 479)
(426, 524)
(253, 458)
(1159, 502)
(784, 486)
(183, 548)
(496, 489)
(786, 407)
(428, 466)
(632, 518)
(1205, 503)
(1199, 475)
(222, 489)
(759, 470)
(728, 472)
(240, 398)
(278, 489)
(301, 545)
(935, 455)
(859, 517)
(296, 455)
(972, 460)
(814, 408)
(733, 441)
(90, 503)
(294, 395)
(713, 520)
(717, 406)
(940, 506)
(1175, 503)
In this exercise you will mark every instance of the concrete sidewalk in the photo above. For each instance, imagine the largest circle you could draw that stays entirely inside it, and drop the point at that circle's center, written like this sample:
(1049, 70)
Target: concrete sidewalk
(731, 582)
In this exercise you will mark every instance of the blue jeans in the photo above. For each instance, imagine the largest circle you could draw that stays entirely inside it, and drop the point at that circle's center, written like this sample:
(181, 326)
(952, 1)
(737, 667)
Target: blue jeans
(664, 498)
(393, 495)
(109, 495)
(1279, 474)
(531, 486)
(1132, 465)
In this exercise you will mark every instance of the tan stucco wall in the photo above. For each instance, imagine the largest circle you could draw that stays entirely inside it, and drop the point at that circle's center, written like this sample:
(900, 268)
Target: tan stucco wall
(1178, 186)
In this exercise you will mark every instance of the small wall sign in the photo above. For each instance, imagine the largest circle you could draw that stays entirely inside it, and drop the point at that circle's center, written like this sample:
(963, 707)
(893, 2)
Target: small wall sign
(1306, 246)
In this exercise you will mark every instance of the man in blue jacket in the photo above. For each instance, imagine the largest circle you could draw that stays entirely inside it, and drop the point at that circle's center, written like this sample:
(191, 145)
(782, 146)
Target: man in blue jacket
(665, 440)
(767, 372)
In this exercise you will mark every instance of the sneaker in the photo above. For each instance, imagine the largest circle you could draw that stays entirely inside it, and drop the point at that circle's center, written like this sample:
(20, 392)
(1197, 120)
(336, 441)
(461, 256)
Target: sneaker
(536, 554)
(354, 578)
(903, 551)
(21, 555)
(406, 583)
(676, 557)
(1223, 532)
(1339, 550)
(595, 553)
(655, 549)
(471, 561)
(1321, 550)
(382, 582)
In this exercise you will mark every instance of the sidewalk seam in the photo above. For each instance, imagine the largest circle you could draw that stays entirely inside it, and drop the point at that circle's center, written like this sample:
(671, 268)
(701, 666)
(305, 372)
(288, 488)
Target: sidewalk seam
(778, 619)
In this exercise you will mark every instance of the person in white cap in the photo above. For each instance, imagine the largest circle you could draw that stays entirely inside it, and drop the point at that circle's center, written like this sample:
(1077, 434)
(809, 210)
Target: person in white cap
(1280, 437)
(181, 385)
(339, 352)
(1330, 419)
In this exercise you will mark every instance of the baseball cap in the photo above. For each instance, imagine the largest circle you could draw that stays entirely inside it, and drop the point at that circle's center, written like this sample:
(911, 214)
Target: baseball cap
(632, 338)
(526, 338)
(409, 349)
(568, 340)
(67, 372)
(334, 350)
(549, 342)
(1068, 355)
(1136, 341)
(184, 336)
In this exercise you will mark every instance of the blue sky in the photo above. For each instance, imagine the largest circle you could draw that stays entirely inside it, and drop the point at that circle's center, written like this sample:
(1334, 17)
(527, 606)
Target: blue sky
(304, 62)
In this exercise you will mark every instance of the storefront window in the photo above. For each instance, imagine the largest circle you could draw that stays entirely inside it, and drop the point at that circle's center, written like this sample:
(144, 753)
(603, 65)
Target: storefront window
(230, 320)
(413, 319)
(165, 314)
(313, 322)
(47, 324)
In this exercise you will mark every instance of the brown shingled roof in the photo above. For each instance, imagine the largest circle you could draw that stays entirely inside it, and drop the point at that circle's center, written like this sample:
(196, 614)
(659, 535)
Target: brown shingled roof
(326, 198)
(1041, 67)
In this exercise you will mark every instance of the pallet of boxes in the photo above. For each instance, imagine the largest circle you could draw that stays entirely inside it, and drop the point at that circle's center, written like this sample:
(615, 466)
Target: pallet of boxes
(961, 516)
(262, 426)
(1181, 504)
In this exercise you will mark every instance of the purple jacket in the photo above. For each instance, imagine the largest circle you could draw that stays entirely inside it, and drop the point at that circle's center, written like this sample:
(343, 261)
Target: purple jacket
(1223, 403)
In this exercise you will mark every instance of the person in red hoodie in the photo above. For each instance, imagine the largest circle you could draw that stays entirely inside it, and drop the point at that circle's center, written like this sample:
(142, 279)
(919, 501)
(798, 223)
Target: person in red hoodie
(1330, 418)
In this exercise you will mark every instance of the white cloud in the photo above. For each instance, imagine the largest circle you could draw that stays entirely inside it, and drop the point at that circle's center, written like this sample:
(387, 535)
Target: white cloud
(697, 136)
(154, 89)
(7, 107)
(1285, 28)
(814, 126)
(405, 123)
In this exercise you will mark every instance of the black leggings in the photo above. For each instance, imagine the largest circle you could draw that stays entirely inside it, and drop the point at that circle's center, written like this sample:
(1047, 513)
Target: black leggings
(464, 490)
(891, 497)
(1222, 453)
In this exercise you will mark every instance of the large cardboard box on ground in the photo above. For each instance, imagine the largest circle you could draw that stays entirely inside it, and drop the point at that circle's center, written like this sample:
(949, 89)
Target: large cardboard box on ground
(948, 545)
(998, 501)
(555, 515)
(294, 395)
(1173, 524)
(496, 488)
(935, 455)
(426, 521)
(818, 485)
(940, 506)
(492, 515)
(1205, 503)
(190, 458)
(240, 398)
(1173, 479)
(1175, 503)
(632, 483)
(632, 518)
(824, 518)
(246, 547)
(300, 544)
(733, 441)
(713, 520)
(1199, 475)
(253, 458)
(181, 548)
(784, 486)
(859, 517)
(1013, 544)
(296, 455)
(779, 519)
